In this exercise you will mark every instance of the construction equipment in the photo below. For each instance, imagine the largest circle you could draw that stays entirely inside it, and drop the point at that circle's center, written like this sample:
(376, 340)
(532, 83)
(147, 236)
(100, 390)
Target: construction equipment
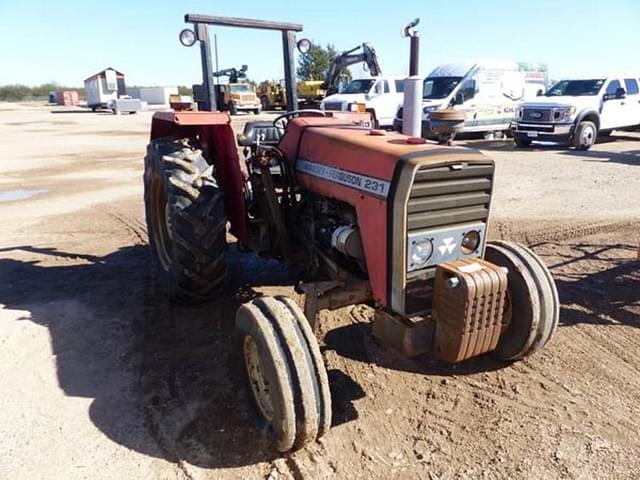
(272, 94)
(373, 217)
(311, 92)
(345, 59)
(236, 95)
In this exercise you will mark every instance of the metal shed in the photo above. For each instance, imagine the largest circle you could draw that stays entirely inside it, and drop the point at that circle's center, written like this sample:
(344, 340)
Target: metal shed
(104, 86)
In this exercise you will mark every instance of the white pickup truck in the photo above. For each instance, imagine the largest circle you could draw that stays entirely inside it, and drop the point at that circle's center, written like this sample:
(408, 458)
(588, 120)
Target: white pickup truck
(577, 111)
(380, 96)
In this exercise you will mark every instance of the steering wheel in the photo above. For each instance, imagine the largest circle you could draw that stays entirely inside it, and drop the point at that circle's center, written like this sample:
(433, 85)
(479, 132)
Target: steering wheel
(281, 121)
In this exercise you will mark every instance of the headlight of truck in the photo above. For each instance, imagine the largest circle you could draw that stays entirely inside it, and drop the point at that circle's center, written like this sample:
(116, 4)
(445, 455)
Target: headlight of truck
(421, 252)
(430, 108)
(563, 114)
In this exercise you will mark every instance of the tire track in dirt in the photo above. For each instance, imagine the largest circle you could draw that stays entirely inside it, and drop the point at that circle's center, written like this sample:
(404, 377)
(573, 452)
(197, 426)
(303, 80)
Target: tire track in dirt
(553, 231)
(132, 225)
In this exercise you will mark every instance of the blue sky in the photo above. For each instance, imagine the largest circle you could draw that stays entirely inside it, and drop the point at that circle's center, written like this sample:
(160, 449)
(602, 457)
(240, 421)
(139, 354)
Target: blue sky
(67, 41)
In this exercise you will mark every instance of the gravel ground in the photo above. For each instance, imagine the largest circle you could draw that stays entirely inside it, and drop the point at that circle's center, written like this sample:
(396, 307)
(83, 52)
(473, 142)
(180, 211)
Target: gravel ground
(101, 378)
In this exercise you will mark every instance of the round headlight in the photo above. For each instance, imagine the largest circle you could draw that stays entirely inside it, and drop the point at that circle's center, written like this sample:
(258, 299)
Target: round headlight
(470, 242)
(421, 252)
(187, 37)
(304, 45)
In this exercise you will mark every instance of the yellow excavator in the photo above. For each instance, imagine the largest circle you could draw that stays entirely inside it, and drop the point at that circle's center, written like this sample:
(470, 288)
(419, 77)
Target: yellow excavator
(311, 92)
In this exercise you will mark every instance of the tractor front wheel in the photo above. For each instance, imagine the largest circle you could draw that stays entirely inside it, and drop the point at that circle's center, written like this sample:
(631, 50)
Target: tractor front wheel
(185, 219)
(532, 309)
(287, 378)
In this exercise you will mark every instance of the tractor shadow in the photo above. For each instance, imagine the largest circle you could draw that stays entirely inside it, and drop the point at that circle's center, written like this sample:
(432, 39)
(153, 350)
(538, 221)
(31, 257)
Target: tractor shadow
(629, 157)
(356, 342)
(597, 284)
(165, 380)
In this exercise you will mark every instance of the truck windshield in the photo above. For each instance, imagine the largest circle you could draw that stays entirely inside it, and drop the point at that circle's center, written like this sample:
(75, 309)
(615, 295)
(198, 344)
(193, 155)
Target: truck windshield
(239, 88)
(439, 87)
(358, 86)
(575, 88)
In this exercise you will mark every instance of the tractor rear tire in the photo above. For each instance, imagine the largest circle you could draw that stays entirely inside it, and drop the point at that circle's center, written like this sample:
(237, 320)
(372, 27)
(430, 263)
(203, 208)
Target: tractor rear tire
(533, 307)
(186, 222)
(287, 379)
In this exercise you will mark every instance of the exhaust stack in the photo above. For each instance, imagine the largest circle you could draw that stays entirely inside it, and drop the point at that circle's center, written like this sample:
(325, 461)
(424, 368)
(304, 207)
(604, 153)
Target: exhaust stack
(412, 113)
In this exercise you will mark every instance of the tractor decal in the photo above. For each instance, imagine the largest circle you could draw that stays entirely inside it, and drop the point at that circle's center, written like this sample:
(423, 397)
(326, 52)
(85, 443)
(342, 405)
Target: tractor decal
(371, 185)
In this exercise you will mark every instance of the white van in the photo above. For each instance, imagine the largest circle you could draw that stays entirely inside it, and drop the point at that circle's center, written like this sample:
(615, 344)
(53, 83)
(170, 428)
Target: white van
(380, 95)
(487, 91)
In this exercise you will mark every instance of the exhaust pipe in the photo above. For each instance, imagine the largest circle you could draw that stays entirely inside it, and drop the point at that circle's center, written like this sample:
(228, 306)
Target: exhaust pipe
(412, 107)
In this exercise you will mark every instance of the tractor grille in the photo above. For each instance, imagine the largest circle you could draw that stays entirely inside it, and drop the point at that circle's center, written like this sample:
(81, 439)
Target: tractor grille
(536, 115)
(444, 197)
(449, 195)
(333, 106)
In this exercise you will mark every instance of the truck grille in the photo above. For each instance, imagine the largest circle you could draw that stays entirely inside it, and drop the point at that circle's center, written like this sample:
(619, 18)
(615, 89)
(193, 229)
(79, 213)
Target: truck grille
(536, 115)
(449, 195)
(333, 106)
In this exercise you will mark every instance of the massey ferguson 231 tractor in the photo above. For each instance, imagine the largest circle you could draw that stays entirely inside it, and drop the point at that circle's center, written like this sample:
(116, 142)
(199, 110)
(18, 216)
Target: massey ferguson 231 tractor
(373, 217)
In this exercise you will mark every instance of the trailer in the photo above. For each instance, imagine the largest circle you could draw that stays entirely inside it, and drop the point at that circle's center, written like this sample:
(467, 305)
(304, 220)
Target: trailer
(104, 86)
(156, 95)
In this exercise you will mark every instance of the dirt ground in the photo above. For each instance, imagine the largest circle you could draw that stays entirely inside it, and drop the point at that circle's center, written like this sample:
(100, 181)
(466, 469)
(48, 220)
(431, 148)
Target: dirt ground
(102, 378)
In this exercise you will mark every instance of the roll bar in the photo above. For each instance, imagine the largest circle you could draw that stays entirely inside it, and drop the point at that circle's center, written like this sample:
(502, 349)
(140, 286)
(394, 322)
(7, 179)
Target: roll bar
(201, 27)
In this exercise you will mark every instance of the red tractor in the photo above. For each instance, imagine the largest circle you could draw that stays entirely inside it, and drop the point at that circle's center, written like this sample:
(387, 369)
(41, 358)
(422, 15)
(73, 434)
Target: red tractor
(374, 217)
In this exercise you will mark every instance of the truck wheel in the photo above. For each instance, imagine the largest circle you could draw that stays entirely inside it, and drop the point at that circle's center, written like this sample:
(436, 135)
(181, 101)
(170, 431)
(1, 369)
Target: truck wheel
(585, 135)
(532, 310)
(185, 219)
(521, 142)
(264, 102)
(374, 118)
(233, 110)
(287, 378)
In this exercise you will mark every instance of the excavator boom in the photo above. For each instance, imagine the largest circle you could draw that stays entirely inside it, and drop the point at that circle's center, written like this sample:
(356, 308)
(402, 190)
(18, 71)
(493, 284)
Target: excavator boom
(348, 57)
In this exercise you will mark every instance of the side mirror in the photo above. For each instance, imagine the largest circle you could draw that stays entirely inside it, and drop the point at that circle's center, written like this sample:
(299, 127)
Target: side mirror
(459, 99)
(620, 92)
(540, 93)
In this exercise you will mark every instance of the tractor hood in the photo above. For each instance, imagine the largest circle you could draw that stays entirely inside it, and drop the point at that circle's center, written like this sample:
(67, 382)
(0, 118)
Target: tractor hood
(328, 141)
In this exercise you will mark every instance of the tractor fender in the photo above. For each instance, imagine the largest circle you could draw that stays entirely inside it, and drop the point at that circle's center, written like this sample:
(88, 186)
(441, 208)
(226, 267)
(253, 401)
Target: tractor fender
(218, 142)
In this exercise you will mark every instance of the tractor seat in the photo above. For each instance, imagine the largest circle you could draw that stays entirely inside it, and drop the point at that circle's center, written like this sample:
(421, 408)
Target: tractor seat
(263, 132)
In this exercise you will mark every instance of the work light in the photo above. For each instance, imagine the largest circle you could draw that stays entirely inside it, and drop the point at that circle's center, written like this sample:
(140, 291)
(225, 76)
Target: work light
(304, 45)
(187, 37)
